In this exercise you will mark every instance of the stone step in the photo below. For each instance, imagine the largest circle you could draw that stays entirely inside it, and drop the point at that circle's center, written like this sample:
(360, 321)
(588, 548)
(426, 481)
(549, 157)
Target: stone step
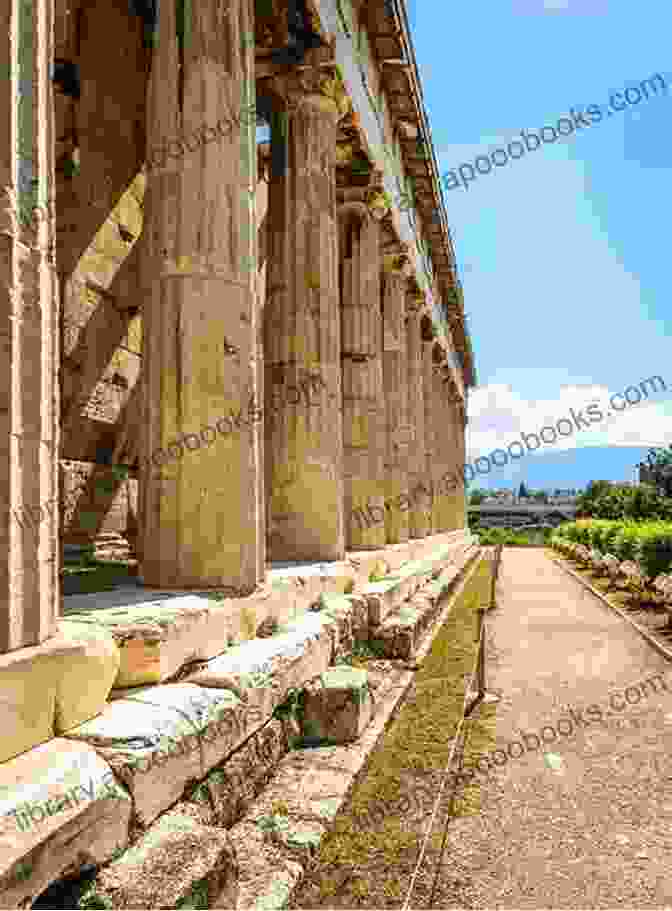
(283, 828)
(401, 632)
(60, 808)
(167, 736)
(204, 748)
(384, 596)
(160, 634)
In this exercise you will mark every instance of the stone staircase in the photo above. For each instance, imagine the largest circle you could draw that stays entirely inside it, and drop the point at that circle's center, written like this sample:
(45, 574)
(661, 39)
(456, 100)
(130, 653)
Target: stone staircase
(165, 732)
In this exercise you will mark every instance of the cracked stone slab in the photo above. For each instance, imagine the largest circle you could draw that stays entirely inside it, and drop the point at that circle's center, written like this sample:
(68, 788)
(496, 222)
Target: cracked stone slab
(156, 638)
(262, 671)
(60, 808)
(166, 736)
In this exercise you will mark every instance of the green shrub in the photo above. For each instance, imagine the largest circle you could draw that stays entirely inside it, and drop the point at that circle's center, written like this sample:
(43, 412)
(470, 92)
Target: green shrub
(511, 537)
(653, 551)
(624, 544)
(647, 543)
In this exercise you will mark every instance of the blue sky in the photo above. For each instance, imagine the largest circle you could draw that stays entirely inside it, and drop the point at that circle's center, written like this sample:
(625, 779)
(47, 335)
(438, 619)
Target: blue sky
(564, 254)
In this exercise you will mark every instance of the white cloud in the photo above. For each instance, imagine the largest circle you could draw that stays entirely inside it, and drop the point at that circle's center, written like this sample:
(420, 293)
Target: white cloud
(498, 416)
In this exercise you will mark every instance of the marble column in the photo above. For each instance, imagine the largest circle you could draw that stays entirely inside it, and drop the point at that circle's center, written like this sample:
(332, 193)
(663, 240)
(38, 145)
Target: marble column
(304, 436)
(201, 509)
(417, 487)
(29, 428)
(395, 381)
(364, 437)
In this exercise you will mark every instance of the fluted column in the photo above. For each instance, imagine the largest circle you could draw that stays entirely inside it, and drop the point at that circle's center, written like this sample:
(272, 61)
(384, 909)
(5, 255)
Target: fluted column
(395, 381)
(417, 515)
(448, 481)
(430, 431)
(29, 408)
(200, 492)
(364, 437)
(304, 436)
(438, 420)
(461, 500)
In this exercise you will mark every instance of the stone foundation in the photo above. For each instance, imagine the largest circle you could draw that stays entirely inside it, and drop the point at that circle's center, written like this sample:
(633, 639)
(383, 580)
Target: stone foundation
(202, 750)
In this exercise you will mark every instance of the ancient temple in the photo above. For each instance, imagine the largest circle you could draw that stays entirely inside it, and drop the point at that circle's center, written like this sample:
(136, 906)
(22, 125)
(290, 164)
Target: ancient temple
(235, 334)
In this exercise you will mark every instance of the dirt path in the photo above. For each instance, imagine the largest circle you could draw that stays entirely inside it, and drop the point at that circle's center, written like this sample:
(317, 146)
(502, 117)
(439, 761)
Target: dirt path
(581, 820)
(589, 824)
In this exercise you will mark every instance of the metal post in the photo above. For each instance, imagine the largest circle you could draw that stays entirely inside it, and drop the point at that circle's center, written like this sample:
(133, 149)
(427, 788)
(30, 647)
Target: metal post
(481, 654)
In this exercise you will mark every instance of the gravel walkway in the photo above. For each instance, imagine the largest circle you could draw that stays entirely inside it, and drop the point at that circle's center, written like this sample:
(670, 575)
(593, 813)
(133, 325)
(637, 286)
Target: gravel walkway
(584, 821)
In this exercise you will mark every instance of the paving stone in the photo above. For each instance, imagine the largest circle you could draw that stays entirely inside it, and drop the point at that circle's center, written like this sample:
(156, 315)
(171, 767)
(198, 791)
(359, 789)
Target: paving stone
(60, 808)
(179, 863)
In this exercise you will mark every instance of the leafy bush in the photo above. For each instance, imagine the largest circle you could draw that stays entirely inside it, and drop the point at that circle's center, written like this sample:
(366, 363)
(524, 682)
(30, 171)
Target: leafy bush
(511, 537)
(603, 500)
(647, 543)
(653, 551)
(624, 545)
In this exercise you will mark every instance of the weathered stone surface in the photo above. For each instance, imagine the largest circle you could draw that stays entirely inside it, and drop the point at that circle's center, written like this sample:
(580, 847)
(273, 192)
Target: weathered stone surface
(60, 808)
(85, 679)
(179, 863)
(156, 638)
(228, 790)
(401, 632)
(264, 670)
(166, 736)
(350, 614)
(29, 681)
(303, 456)
(29, 392)
(338, 706)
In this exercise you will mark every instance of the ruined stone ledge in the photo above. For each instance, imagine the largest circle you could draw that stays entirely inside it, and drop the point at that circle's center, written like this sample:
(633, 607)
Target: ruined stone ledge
(337, 705)
(180, 863)
(60, 808)
(156, 638)
(385, 596)
(166, 736)
(399, 635)
(159, 634)
(282, 831)
(312, 783)
(262, 672)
